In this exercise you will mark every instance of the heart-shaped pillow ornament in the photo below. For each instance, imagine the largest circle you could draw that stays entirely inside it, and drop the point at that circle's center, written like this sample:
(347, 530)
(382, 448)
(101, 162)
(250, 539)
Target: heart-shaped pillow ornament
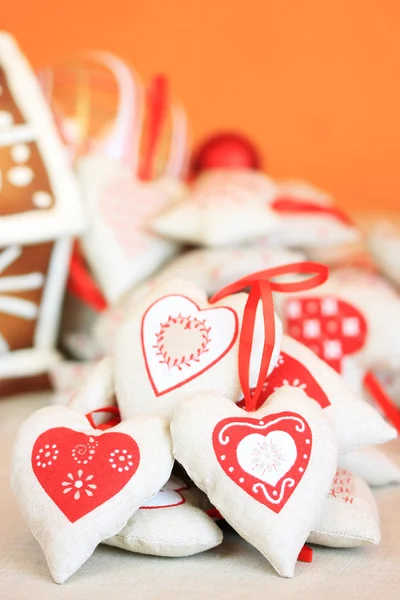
(308, 218)
(122, 193)
(354, 314)
(224, 207)
(384, 244)
(349, 517)
(181, 343)
(76, 486)
(374, 466)
(169, 524)
(267, 472)
(97, 391)
(355, 422)
(176, 343)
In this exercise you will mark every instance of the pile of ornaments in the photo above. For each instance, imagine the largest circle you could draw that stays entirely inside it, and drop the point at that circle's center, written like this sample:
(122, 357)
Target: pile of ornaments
(227, 381)
(222, 416)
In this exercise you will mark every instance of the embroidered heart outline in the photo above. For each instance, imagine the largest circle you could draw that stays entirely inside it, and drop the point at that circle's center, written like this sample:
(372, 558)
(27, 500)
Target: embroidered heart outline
(71, 468)
(156, 354)
(226, 449)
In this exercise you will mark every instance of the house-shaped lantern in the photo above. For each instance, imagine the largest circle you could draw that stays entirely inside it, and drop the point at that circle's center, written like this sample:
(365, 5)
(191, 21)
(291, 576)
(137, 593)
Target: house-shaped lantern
(40, 213)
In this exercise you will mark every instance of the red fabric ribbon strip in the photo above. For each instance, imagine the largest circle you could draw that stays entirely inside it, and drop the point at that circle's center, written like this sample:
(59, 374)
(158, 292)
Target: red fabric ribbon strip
(82, 285)
(261, 287)
(285, 204)
(156, 106)
(112, 410)
(382, 399)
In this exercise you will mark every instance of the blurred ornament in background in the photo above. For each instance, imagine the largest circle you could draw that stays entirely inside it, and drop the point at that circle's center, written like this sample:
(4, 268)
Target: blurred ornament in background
(228, 150)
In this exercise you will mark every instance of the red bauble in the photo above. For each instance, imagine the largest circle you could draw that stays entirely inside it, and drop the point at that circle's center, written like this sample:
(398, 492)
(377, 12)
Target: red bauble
(227, 150)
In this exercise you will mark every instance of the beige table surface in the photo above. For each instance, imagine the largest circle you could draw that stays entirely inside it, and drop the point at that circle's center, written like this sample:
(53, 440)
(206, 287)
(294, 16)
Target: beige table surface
(233, 571)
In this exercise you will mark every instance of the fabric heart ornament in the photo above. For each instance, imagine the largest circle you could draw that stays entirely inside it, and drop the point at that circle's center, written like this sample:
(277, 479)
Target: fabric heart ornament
(267, 472)
(169, 524)
(208, 268)
(308, 218)
(355, 422)
(119, 191)
(355, 314)
(176, 343)
(224, 207)
(97, 391)
(118, 246)
(77, 486)
(374, 466)
(349, 516)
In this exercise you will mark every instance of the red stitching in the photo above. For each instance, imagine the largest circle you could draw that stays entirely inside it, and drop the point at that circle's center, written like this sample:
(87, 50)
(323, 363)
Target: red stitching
(188, 322)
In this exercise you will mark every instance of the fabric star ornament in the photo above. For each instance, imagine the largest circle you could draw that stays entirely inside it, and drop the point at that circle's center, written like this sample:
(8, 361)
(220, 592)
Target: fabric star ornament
(225, 207)
(77, 486)
(349, 517)
(267, 472)
(169, 524)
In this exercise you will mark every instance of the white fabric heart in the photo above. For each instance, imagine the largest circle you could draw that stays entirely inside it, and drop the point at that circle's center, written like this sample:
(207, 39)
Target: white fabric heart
(77, 486)
(268, 488)
(170, 524)
(349, 517)
(176, 343)
(374, 466)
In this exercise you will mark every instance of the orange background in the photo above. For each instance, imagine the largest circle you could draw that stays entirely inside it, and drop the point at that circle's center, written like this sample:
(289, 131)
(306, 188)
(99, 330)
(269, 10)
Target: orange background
(314, 82)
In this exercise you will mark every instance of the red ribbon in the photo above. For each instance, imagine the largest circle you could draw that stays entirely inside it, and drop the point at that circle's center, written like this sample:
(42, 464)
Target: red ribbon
(82, 285)
(285, 204)
(156, 105)
(261, 287)
(112, 410)
(387, 405)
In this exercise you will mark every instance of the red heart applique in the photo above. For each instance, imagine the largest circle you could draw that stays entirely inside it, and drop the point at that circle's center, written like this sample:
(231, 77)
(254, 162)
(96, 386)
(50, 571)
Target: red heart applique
(265, 457)
(80, 472)
(330, 327)
(180, 340)
(289, 371)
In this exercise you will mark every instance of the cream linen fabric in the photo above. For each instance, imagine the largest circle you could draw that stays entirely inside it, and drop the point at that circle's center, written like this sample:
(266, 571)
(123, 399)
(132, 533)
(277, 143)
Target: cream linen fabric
(307, 230)
(132, 378)
(372, 465)
(68, 544)
(208, 268)
(170, 524)
(119, 248)
(377, 301)
(232, 571)
(349, 517)
(224, 207)
(97, 391)
(384, 244)
(279, 536)
(355, 422)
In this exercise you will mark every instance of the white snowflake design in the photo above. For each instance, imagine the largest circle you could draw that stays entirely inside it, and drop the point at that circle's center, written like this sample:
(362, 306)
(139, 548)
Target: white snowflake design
(267, 457)
(12, 304)
(79, 484)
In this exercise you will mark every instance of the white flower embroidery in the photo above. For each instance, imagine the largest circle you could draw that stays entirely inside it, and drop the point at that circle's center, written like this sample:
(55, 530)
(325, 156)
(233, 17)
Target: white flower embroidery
(79, 484)
(12, 304)
(295, 383)
(280, 361)
(267, 457)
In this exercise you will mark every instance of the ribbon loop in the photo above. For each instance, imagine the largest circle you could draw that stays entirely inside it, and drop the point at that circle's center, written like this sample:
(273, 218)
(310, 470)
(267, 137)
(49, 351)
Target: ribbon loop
(111, 410)
(261, 288)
